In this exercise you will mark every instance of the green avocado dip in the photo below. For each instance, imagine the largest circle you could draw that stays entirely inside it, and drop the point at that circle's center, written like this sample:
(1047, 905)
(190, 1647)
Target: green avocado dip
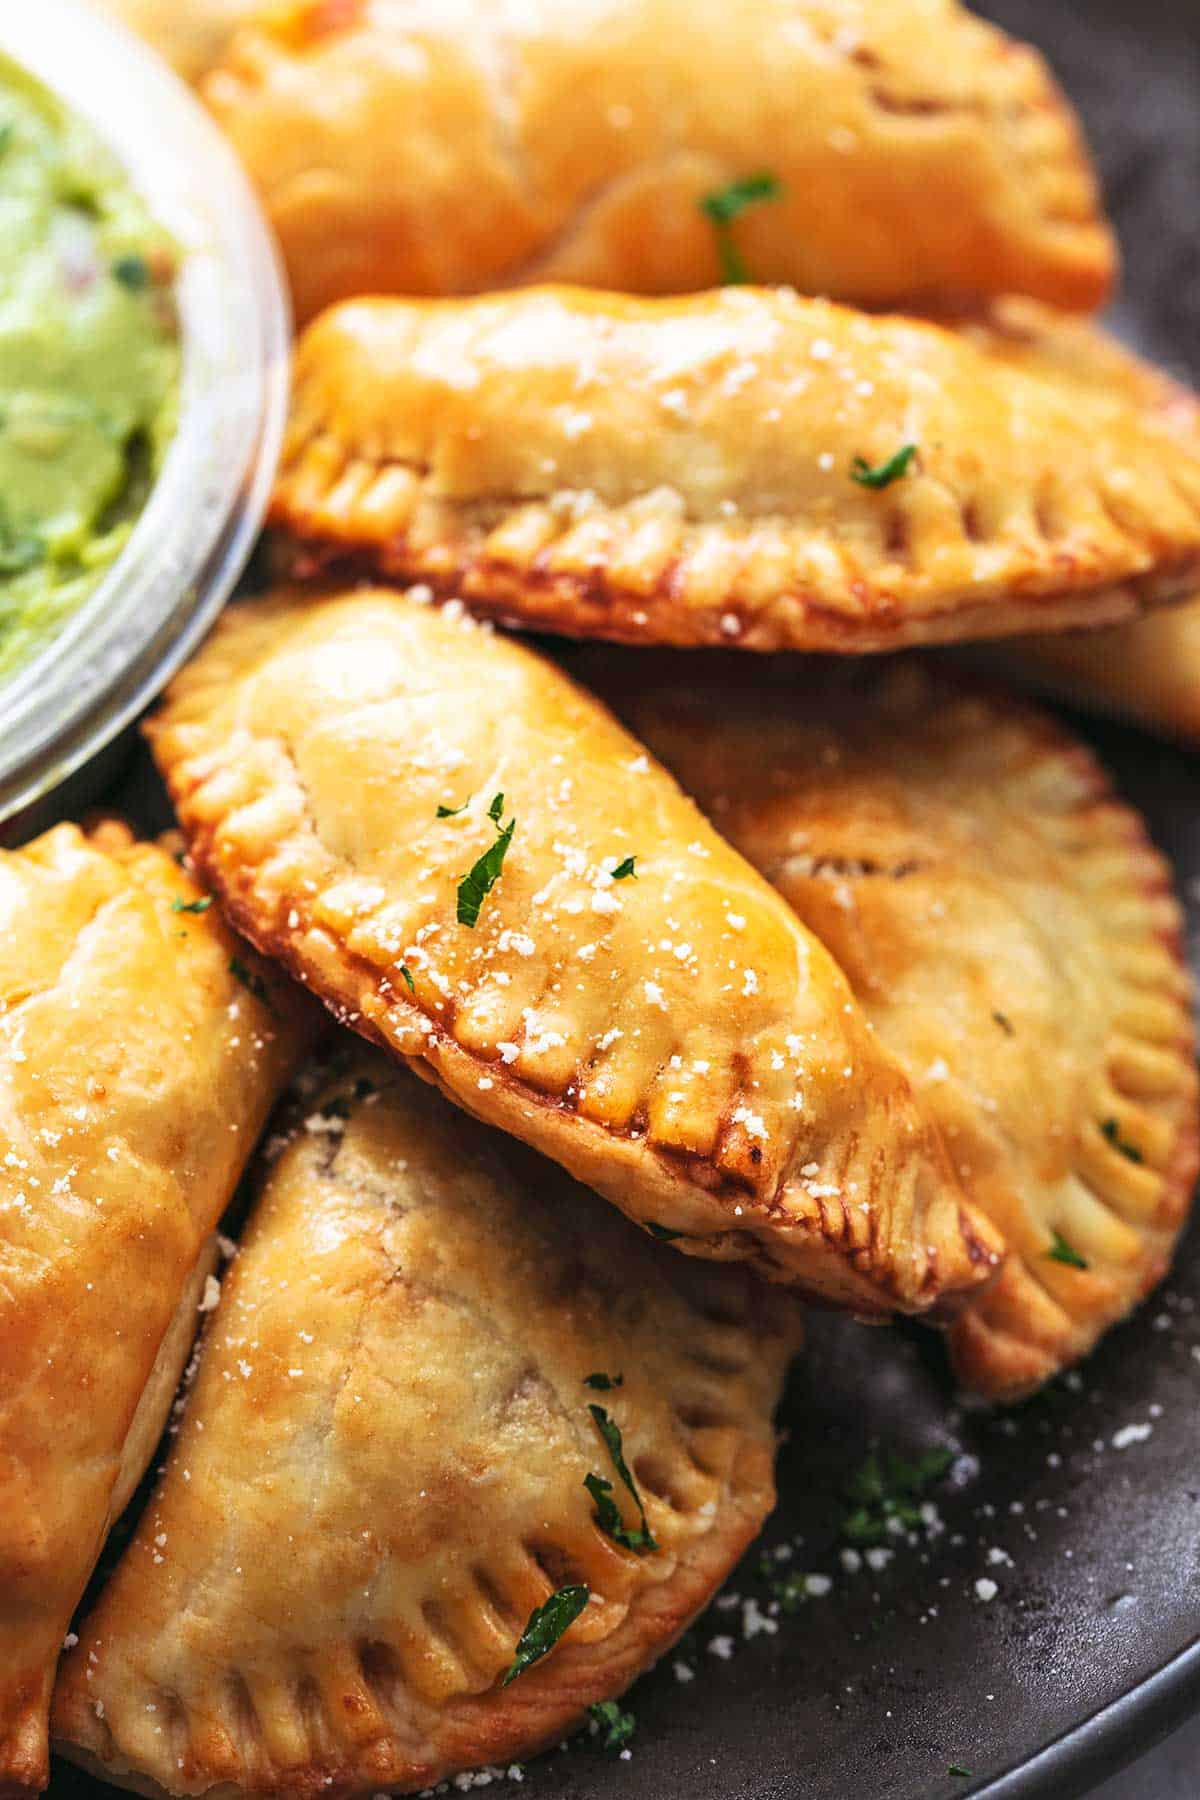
(89, 362)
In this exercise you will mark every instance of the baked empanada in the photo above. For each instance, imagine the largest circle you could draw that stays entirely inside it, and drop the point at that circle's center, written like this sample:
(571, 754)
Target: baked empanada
(473, 864)
(744, 468)
(453, 146)
(400, 1443)
(1148, 671)
(1012, 937)
(140, 1048)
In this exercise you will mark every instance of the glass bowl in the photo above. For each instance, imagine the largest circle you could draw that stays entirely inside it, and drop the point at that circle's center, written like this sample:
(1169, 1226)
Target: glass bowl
(199, 525)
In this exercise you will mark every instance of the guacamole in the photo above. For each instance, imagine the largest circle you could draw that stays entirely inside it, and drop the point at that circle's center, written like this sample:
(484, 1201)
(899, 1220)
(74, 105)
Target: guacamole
(89, 362)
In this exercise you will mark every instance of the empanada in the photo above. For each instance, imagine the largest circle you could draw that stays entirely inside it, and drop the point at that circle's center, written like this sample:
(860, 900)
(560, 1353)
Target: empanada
(1012, 937)
(744, 468)
(474, 865)
(400, 1443)
(454, 146)
(140, 1048)
(1148, 671)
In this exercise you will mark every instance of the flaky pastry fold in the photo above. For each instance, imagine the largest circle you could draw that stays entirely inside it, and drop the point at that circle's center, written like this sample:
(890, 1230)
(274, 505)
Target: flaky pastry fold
(625, 994)
(454, 146)
(140, 1049)
(745, 468)
(1011, 934)
(381, 1470)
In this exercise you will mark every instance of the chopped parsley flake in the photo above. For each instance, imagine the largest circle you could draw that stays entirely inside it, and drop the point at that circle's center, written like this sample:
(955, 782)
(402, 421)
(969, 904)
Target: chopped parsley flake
(625, 870)
(616, 1727)
(726, 205)
(1061, 1251)
(957, 1769)
(890, 1487)
(192, 906)
(884, 473)
(1004, 1022)
(791, 1591)
(253, 984)
(133, 272)
(545, 1626)
(406, 974)
(608, 1516)
(452, 812)
(1112, 1131)
(479, 881)
(603, 1383)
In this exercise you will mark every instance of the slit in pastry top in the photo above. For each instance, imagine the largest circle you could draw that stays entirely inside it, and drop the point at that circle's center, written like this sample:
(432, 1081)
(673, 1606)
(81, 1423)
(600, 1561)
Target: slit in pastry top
(381, 1471)
(631, 998)
(745, 468)
(1010, 932)
(141, 1047)
(456, 146)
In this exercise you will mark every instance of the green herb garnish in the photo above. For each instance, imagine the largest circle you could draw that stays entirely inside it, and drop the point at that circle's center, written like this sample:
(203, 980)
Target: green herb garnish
(883, 474)
(1004, 1022)
(1112, 1131)
(406, 975)
(616, 1726)
(791, 1591)
(603, 1383)
(545, 1626)
(133, 272)
(452, 812)
(957, 1769)
(1061, 1251)
(192, 906)
(478, 883)
(253, 984)
(607, 1515)
(625, 869)
(890, 1487)
(726, 205)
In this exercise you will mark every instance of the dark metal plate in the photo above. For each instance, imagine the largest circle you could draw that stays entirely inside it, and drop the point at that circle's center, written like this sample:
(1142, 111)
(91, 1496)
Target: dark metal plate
(1091, 1645)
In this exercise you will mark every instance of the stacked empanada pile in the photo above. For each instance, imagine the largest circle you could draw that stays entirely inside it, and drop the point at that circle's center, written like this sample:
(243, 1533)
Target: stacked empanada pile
(852, 976)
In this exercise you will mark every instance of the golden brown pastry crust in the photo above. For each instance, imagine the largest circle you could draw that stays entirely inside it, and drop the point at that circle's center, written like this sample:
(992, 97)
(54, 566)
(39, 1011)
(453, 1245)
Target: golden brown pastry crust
(454, 146)
(681, 471)
(381, 1468)
(1011, 934)
(676, 1040)
(135, 1073)
(1147, 671)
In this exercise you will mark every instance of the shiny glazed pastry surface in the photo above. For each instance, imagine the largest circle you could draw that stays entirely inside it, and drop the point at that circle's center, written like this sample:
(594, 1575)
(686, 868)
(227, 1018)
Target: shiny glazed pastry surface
(136, 1070)
(380, 1473)
(632, 998)
(1011, 934)
(452, 146)
(692, 471)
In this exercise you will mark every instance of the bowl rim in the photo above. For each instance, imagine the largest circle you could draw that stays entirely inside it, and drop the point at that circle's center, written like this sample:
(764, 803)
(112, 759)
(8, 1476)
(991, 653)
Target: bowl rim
(194, 535)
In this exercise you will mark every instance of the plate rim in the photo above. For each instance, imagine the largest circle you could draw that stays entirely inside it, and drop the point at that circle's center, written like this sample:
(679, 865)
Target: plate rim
(1110, 1739)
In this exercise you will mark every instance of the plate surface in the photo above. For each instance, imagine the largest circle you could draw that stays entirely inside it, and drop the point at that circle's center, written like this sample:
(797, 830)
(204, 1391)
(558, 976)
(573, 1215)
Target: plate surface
(875, 1688)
